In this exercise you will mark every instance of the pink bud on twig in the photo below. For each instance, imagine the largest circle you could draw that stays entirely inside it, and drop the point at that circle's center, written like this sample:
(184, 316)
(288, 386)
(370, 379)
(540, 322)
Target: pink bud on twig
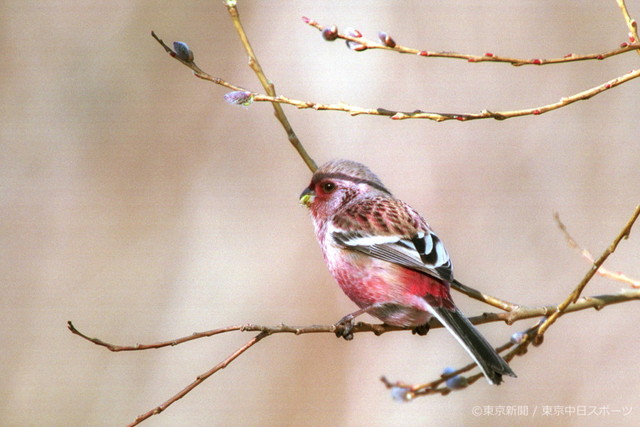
(386, 39)
(352, 32)
(239, 97)
(330, 33)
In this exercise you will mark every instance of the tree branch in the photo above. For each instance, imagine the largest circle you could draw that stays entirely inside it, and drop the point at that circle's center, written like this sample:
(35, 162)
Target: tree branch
(520, 341)
(632, 24)
(360, 44)
(520, 313)
(401, 115)
(575, 294)
(269, 87)
(199, 379)
(621, 277)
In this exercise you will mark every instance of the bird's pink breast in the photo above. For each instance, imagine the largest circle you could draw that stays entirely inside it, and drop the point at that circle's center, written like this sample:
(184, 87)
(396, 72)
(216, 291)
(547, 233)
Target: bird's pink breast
(366, 281)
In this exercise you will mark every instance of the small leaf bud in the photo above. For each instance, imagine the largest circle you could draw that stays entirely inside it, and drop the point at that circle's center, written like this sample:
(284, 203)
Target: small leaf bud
(239, 97)
(330, 33)
(456, 382)
(183, 52)
(386, 39)
(352, 32)
(401, 394)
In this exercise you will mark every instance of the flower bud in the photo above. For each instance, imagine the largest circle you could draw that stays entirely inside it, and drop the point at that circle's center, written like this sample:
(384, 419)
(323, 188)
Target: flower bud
(456, 382)
(518, 337)
(330, 33)
(239, 97)
(386, 39)
(183, 52)
(401, 394)
(352, 32)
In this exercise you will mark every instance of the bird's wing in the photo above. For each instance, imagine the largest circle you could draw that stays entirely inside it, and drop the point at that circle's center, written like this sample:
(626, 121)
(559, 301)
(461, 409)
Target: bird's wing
(390, 230)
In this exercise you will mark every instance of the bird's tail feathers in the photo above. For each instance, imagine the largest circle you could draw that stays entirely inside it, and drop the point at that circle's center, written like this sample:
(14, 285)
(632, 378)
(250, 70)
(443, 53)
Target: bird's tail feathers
(492, 365)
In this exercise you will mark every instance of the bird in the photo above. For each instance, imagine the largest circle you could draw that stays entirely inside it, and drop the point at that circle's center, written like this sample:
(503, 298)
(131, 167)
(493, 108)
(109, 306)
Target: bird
(388, 260)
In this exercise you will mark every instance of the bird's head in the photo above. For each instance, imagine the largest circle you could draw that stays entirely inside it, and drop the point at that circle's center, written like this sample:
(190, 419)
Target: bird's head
(338, 182)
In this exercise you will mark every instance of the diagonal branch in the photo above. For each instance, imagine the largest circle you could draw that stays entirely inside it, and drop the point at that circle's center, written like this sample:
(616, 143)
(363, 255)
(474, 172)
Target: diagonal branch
(268, 86)
(199, 379)
(632, 24)
(520, 341)
(575, 294)
(621, 277)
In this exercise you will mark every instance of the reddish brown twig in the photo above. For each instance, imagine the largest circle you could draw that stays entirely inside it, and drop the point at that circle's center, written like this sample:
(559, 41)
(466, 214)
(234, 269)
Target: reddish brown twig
(199, 379)
(619, 276)
(361, 44)
(403, 115)
(575, 294)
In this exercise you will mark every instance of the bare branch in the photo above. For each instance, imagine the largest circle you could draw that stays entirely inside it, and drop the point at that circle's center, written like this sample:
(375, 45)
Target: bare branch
(533, 335)
(518, 313)
(171, 343)
(269, 87)
(575, 294)
(199, 379)
(621, 277)
(632, 24)
(515, 313)
(518, 343)
(360, 44)
(487, 299)
(400, 115)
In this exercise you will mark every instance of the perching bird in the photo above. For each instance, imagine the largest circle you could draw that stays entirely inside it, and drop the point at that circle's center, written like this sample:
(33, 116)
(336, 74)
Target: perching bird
(386, 258)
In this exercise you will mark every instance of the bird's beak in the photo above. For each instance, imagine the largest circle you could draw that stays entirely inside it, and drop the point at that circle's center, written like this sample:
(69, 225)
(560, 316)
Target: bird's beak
(307, 196)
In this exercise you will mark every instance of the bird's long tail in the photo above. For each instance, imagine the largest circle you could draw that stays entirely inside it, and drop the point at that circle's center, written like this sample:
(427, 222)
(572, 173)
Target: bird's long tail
(492, 365)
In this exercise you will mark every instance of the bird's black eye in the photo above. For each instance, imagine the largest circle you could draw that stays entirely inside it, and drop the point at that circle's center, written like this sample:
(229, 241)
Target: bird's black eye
(328, 187)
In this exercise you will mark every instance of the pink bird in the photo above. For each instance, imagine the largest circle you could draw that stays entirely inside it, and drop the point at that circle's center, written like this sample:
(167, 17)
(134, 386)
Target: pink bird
(387, 260)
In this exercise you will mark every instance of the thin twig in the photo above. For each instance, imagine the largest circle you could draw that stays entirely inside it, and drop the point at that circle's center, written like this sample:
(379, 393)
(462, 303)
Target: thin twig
(403, 115)
(621, 277)
(171, 343)
(412, 391)
(517, 348)
(632, 24)
(487, 299)
(575, 294)
(269, 88)
(518, 313)
(199, 379)
(533, 335)
(366, 44)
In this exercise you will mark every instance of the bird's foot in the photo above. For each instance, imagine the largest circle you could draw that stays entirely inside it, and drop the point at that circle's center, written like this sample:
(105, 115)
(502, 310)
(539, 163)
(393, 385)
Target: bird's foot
(344, 327)
(421, 330)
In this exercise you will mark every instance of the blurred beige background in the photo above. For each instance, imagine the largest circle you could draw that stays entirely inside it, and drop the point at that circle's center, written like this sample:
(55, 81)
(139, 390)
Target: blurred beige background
(140, 205)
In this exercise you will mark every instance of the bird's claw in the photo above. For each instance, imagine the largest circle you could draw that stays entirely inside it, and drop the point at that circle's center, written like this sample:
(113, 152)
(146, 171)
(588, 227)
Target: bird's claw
(421, 330)
(344, 327)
